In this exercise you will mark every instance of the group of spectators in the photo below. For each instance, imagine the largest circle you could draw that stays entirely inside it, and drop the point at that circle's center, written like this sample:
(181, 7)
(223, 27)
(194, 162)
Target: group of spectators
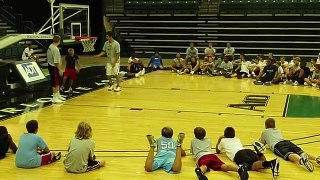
(266, 70)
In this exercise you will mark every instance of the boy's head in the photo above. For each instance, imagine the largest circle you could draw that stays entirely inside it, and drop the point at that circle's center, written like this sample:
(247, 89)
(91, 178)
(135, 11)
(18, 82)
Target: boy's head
(210, 59)
(228, 45)
(178, 55)
(84, 131)
(270, 123)
(229, 132)
(71, 51)
(156, 53)
(193, 59)
(225, 59)
(296, 60)
(32, 126)
(3, 130)
(56, 39)
(192, 44)
(242, 57)
(167, 132)
(199, 132)
(282, 58)
(109, 36)
(278, 63)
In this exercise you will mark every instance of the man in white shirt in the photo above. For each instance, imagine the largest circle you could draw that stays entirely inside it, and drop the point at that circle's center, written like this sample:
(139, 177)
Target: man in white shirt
(229, 51)
(111, 49)
(209, 51)
(236, 152)
(28, 54)
(54, 67)
(191, 51)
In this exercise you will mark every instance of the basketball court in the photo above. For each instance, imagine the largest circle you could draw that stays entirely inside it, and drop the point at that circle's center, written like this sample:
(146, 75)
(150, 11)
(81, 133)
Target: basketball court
(121, 121)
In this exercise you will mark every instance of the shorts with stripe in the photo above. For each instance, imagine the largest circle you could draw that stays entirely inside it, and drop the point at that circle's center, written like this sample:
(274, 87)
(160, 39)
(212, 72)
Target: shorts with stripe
(93, 165)
(285, 148)
(246, 156)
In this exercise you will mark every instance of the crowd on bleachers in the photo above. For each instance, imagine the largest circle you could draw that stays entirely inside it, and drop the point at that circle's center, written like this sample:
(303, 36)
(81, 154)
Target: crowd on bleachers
(265, 70)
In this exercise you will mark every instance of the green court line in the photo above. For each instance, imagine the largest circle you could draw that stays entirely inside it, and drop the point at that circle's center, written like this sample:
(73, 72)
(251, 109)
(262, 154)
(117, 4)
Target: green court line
(303, 106)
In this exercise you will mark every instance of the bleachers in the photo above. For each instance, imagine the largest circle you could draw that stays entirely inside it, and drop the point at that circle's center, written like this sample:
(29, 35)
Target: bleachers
(161, 6)
(270, 7)
(282, 35)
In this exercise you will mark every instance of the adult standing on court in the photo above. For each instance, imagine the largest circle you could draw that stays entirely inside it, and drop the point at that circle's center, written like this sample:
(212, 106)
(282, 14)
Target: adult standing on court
(54, 63)
(111, 49)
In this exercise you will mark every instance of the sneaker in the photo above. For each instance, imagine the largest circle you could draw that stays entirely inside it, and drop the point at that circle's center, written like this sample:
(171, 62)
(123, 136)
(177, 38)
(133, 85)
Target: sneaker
(137, 74)
(306, 84)
(243, 172)
(56, 100)
(178, 71)
(143, 71)
(249, 75)
(192, 72)
(180, 139)
(275, 165)
(61, 98)
(305, 161)
(318, 160)
(296, 83)
(111, 87)
(151, 140)
(314, 84)
(117, 89)
(267, 83)
(287, 82)
(200, 175)
(259, 147)
(56, 157)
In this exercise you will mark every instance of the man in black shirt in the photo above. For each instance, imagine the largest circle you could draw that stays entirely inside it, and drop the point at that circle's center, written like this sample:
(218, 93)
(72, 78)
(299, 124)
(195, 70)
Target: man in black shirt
(267, 75)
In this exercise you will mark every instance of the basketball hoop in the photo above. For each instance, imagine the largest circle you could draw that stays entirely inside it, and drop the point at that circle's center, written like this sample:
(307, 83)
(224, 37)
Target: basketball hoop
(87, 42)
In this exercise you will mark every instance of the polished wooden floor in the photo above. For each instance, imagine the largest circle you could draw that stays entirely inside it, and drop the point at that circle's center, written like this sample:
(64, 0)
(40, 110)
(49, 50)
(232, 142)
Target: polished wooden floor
(162, 99)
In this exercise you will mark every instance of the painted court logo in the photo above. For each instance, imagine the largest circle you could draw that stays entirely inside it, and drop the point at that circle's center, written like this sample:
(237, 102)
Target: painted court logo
(251, 102)
(30, 70)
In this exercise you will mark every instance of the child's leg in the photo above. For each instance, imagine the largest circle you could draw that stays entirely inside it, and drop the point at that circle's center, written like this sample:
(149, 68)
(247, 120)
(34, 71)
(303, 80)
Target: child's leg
(150, 159)
(49, 158)
(177, 162)
(64, 82)
(229, 167)
(70, 83)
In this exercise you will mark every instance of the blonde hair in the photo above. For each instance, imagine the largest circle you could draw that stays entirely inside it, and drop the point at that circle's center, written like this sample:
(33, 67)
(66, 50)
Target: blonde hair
(84, 131)
(70, 50)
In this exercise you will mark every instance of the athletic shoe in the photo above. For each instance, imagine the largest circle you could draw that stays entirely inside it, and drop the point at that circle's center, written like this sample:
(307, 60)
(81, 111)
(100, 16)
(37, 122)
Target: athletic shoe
(192, 72)
(305, 161)
(178, 71)
(180, 139)
(117, 89)
(306, 84)
(111, 87)
(151, 140)
(143, 71)
(56, 157)
(296, 83)
(56, 100)
(243, 172)
(249, 75)
(275, 165)
(61, 97)
(318, 160)
(267, 83)
(137, 74)
(259, 147)
(314, 84)
(258, 83)
(287, 82)
(200, 175)
(61, 88)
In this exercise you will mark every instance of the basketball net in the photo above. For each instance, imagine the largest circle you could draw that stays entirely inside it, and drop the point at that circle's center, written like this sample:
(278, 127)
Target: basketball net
(87, 43)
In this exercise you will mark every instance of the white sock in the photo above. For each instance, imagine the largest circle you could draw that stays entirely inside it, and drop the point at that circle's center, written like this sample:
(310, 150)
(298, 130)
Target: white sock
(55, 95)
